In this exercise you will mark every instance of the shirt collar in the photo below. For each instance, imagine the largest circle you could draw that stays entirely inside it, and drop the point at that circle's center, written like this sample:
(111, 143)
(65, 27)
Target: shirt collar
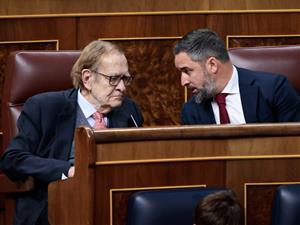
(232, 86)
(86, 107)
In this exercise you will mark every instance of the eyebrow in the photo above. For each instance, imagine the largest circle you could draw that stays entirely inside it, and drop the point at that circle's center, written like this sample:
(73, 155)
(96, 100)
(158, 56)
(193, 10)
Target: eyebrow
(185, 68)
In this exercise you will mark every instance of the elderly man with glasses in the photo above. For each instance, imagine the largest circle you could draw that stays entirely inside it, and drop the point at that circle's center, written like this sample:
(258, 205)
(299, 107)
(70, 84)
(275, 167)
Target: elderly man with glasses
(43, 147)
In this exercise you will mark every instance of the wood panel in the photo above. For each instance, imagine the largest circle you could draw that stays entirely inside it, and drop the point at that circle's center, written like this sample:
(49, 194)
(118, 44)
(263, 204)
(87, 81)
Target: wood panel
(14, 7)
(33, 29)
(148, 176)
(260, 196)
(233, 41)
(243, 155)
(156, 87)
(131, 26)
(254, 23)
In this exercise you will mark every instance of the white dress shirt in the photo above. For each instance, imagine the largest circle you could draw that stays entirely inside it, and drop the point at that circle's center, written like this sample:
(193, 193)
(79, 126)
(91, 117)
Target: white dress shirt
(88, 109)
(233, 101)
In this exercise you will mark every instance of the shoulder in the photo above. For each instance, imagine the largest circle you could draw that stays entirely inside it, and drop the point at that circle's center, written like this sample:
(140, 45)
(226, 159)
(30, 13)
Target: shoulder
(53, 97)
(246, 75)
(263, 80)
(191, 103)
(128, 103)
(50, 101)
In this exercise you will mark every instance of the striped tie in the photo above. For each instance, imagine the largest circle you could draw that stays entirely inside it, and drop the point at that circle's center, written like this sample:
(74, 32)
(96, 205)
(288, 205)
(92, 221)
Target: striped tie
(99, 120)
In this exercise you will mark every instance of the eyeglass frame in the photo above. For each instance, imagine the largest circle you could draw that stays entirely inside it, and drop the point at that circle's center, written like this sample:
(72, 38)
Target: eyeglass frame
(119, 77)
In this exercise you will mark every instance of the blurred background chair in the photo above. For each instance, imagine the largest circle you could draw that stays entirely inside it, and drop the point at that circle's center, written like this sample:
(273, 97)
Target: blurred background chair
(165, 207)
(286, 205)
(283, 60)
(28, 73)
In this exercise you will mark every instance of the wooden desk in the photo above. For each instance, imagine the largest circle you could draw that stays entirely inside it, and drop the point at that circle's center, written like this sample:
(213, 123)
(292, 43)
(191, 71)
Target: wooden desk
(111, 164)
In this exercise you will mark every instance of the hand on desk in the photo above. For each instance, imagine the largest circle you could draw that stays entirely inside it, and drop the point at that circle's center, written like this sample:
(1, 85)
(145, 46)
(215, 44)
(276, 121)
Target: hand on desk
(71, 171)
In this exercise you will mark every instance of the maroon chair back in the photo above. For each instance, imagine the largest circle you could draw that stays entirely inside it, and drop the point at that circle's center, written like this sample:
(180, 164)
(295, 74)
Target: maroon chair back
(29, 73)
(283, 60)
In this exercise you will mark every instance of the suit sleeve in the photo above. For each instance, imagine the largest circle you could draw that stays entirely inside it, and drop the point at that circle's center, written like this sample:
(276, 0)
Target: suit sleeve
(286, 101)
(27, 155)
(184, 116)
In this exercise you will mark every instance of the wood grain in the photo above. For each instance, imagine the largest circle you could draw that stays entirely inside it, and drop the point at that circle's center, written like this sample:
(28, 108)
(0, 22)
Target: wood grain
(15, 7)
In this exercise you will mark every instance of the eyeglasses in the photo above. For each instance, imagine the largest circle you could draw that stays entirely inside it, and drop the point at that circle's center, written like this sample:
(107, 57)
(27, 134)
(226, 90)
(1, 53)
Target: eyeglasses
(115, 80)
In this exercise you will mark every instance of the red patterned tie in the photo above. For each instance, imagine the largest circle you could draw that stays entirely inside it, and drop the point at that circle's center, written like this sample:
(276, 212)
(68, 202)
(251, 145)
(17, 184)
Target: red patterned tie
(220, 99)
(99, 120)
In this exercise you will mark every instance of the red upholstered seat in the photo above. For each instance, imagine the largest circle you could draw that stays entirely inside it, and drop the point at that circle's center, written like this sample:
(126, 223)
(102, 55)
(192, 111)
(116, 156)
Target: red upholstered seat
(283, 60)
(29, 73)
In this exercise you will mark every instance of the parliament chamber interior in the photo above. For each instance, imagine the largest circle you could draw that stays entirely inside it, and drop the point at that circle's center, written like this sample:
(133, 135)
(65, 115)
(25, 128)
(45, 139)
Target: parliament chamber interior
(155, 174)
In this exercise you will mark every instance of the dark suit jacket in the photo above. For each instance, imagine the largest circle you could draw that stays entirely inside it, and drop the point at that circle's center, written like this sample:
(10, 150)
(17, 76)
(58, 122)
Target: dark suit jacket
(265, 98)
(42, 147)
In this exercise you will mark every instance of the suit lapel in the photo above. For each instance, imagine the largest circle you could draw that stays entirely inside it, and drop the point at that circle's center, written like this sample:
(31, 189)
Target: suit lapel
(249, 96)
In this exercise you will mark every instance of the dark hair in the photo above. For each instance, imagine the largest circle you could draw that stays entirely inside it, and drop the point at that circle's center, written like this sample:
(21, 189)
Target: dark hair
(201, 44)
(219, 208)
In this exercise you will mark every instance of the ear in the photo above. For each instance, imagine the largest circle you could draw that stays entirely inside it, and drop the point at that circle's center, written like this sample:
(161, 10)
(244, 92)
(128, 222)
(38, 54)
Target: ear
(87, 77)
(212, 65)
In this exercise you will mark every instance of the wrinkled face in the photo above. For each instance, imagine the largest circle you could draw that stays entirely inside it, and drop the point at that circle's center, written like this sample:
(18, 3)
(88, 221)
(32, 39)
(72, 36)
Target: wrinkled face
(100, 91)
(195, 77)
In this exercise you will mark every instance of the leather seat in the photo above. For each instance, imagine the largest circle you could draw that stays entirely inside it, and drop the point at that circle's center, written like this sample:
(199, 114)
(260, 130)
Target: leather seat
(286, 205)
(165, 207)
(283, 60)
(28, 73)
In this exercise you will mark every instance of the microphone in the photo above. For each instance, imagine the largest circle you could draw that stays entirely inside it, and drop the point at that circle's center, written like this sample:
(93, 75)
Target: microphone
(135, 124)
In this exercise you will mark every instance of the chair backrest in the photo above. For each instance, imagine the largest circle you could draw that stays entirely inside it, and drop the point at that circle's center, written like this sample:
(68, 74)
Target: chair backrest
(286, 205)
(283, 60)
(165, 207)
(29, 73)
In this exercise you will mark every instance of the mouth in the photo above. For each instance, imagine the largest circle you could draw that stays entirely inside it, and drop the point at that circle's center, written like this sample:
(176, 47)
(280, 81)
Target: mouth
(117, 96)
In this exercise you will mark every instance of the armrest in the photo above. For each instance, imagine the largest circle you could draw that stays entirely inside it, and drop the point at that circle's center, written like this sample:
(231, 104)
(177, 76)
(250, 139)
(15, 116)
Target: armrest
(9, 186)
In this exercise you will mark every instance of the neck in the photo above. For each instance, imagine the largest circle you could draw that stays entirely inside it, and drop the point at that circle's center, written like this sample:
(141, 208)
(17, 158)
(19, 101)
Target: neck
(224, 75)
(93, 101)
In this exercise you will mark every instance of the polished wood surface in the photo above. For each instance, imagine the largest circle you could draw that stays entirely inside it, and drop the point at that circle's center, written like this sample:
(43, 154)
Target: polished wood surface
(114, 163)
(37, 7)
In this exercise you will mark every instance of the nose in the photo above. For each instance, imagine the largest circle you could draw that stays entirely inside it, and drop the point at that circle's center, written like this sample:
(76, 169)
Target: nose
(184, 79)
(121, 86)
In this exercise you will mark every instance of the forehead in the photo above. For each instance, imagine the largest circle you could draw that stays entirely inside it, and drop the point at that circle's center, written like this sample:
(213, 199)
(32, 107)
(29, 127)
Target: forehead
(183, 60)
(113, 63)
(113, 58)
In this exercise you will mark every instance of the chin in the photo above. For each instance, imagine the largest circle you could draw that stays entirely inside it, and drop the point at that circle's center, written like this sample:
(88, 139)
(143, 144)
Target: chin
(116, 103)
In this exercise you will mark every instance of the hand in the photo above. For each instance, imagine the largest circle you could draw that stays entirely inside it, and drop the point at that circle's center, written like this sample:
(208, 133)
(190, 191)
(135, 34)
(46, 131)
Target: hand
(71, 171)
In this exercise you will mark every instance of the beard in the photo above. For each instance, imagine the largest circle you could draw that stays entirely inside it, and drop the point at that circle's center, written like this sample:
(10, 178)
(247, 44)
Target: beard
(208, 89)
